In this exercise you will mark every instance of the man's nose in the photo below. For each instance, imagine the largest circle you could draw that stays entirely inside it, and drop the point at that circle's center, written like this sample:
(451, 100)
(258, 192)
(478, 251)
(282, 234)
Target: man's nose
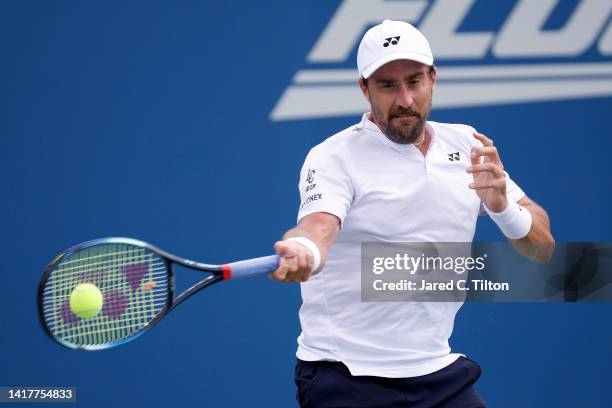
(404, 97)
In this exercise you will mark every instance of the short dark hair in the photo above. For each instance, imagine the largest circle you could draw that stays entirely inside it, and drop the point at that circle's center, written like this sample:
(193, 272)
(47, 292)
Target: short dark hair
(429, 72)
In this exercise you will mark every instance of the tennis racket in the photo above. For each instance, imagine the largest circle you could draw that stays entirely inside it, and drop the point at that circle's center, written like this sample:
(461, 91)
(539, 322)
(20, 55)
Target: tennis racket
(136, 281)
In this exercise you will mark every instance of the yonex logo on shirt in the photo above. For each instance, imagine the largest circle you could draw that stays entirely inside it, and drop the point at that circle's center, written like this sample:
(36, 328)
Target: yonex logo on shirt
(453, 156)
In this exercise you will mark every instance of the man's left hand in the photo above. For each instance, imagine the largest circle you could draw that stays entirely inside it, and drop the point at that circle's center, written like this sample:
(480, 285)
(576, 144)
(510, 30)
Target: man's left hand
(489, 177)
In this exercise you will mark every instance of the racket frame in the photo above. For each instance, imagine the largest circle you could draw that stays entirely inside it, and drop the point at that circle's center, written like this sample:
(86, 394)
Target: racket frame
(171, 302)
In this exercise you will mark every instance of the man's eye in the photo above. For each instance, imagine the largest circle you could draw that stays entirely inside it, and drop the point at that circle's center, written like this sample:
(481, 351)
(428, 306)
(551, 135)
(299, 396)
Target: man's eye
(415, 82)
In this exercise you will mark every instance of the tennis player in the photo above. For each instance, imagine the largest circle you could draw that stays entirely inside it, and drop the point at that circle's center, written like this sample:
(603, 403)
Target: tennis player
(394, 176)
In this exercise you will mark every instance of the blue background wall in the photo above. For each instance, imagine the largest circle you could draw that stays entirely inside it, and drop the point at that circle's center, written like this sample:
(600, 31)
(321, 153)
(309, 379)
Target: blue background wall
(150, 120)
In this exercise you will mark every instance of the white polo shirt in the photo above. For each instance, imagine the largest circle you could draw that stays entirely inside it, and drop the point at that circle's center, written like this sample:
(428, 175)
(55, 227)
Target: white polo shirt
(384, 192)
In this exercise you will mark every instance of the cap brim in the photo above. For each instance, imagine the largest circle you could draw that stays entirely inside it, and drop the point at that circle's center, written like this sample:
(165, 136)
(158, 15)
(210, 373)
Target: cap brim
(423, 59)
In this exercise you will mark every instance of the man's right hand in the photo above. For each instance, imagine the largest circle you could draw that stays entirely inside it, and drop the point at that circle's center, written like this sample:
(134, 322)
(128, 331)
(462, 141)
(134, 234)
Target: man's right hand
(295, 264)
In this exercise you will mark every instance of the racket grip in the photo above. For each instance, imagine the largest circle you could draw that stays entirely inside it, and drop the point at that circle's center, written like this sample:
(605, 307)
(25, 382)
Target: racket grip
(255, 266)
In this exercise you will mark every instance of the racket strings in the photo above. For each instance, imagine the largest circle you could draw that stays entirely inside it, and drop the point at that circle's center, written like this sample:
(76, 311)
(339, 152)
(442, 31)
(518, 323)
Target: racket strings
(134, 285)
(158, 274)
(96, 267)
(117, 308)
(128, 322)
(137, 250)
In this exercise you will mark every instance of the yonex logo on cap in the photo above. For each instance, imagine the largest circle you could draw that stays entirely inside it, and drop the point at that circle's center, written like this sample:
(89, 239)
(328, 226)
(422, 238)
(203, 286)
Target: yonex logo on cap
(391, 40)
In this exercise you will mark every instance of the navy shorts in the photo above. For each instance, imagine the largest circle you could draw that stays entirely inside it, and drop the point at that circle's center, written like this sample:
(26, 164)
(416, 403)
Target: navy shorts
(327, 384)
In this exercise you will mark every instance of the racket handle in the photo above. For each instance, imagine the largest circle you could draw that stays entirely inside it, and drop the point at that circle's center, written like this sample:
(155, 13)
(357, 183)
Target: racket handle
(255, 266)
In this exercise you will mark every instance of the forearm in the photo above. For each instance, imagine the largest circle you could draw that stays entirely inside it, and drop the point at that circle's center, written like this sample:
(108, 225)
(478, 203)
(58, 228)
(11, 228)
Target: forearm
(304, 257)
(539, 244)
(320, 228)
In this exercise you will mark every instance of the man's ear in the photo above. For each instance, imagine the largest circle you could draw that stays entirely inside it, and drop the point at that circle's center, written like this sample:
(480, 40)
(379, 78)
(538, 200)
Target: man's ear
(364, 88)
(433, 78)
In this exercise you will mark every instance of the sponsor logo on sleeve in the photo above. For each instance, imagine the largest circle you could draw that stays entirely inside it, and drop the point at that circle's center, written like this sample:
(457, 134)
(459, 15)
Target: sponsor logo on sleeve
(310, 176)
(311, 185)
(310, 199)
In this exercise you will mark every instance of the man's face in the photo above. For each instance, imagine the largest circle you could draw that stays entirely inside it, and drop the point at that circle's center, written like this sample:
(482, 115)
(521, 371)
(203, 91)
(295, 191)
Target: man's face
(400, 94)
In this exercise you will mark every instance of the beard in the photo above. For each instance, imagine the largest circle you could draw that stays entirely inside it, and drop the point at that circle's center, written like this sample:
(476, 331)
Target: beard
(410, 123)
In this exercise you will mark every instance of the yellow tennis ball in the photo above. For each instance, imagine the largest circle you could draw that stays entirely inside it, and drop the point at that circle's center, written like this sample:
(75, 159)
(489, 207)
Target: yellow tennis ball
(86, 300)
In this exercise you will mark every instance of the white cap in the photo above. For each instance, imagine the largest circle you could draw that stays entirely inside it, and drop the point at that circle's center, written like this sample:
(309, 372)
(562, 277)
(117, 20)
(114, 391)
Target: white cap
(390, 41)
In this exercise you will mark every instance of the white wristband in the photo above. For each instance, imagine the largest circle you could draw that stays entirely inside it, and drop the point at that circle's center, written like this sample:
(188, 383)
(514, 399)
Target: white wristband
(316, 254)
(514, 222)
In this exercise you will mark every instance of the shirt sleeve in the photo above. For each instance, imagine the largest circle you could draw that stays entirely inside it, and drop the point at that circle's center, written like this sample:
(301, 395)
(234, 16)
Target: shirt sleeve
(325, 185)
